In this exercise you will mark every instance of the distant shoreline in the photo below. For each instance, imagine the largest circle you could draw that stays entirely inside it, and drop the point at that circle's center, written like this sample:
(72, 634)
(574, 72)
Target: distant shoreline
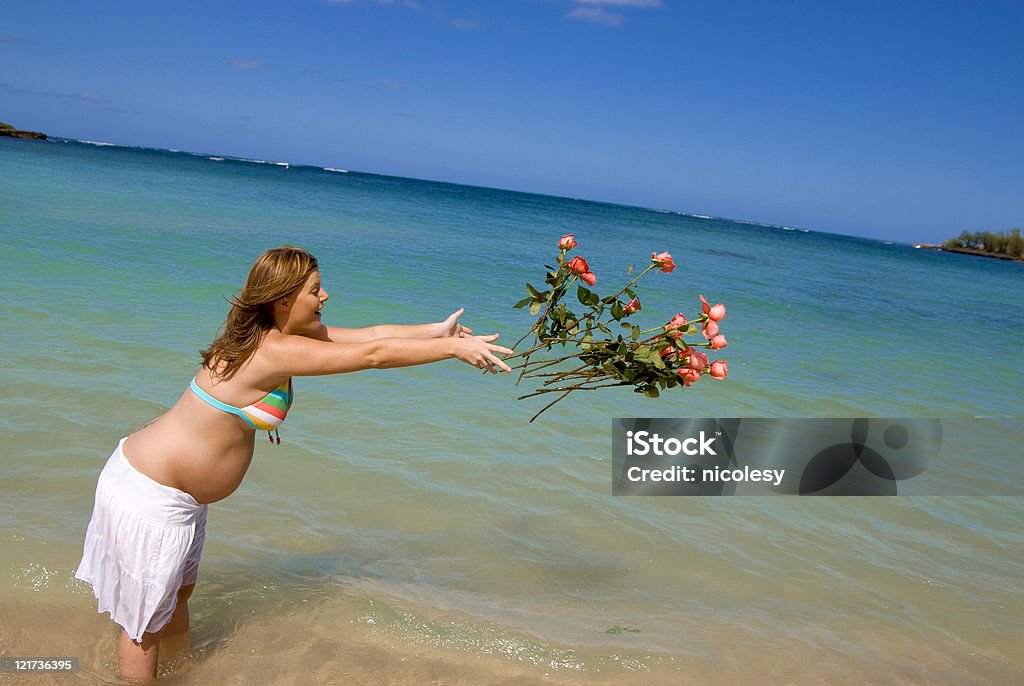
(969, 251)
(11, 132)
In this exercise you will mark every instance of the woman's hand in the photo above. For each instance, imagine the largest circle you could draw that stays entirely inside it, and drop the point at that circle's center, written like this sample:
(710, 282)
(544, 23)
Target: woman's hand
(479, 351)
(451, 327)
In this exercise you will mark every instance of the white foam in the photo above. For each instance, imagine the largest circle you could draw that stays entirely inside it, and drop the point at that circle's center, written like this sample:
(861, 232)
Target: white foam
(332, 169)
(100, 143)
(216, 159)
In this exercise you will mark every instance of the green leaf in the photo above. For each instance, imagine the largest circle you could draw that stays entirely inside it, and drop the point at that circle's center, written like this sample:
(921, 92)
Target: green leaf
(523, 303)
(636, 333)
(583, 295)
(652, 391)
(535, 307)
(592, 299)
(533, 291)
(617, 310)
(630, 293)
(630, 270)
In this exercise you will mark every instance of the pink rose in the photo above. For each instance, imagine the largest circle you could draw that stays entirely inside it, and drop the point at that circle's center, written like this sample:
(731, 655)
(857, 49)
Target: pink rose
(715, 312)
(710, 329)
(664, 261)
(669, 353)
(719, 369)
(567, 242)
(673, 326)
(697, 360)
(588, 278)
(578, 265)
(688, 376)
(718, 342)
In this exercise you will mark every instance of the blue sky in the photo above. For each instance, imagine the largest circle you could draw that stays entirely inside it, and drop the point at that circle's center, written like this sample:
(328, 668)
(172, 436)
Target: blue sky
(896, 120)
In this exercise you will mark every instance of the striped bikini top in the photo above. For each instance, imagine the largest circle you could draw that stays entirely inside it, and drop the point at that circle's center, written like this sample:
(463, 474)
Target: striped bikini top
(266, 414)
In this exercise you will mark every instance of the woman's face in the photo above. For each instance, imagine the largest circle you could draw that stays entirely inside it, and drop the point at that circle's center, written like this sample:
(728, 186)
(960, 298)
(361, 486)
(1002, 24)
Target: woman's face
(304, 306)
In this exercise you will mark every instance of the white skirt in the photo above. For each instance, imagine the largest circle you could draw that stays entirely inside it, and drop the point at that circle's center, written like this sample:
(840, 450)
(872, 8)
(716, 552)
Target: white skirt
(143, 543)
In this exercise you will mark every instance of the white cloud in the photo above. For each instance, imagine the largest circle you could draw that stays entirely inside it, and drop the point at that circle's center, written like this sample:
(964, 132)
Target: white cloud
(595, 15)
(248, 65)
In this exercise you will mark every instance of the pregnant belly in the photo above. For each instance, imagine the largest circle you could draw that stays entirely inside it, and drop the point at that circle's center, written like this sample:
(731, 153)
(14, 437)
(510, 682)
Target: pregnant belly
(208, 470)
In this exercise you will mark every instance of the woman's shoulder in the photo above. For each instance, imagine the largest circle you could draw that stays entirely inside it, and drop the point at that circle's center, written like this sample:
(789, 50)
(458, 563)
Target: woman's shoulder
(252, 375)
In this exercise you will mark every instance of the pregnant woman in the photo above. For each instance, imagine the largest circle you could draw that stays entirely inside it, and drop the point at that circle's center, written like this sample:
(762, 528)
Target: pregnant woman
(146, 534)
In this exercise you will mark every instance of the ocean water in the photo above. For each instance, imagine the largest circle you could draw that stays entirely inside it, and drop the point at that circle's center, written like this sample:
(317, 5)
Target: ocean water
(413, 526)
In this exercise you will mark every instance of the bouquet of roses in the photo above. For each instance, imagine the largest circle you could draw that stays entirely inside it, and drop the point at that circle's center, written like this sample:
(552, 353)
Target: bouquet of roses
(600, 347)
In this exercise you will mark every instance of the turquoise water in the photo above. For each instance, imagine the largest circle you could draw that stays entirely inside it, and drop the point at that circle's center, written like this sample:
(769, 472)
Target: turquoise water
(415, 516)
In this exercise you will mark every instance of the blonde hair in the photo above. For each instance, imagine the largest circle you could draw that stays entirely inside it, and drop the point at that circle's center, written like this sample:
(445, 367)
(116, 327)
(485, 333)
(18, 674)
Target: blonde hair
(275, 274)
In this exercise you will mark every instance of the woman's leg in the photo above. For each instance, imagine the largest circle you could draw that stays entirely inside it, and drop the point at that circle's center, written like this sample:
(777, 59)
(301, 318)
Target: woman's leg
(176, 639)
(138, 660)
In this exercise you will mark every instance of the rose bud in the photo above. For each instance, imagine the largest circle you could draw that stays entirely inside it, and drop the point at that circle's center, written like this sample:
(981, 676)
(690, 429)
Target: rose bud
(578, 265)
(719, 369)
(715, 313)
(632, 306)
(567, 242)
(718, 342)
(672, 328)
(664, 261)
(688, 376)
(697, 361)
(588, 278)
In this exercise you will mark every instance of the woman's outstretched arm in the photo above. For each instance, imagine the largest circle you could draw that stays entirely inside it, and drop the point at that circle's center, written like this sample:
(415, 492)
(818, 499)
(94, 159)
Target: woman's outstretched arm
(301, 356)
(449, 327)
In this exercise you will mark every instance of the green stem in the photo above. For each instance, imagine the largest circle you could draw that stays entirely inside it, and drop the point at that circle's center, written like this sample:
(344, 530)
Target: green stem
(578, 372)
(548, 406)
(543, 364)
(649, 268)
(547, 342)
(555, 297)
(575, 387)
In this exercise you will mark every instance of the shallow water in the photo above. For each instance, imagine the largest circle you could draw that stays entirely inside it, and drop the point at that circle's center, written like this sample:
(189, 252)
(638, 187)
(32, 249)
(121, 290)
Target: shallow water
(413, 526)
